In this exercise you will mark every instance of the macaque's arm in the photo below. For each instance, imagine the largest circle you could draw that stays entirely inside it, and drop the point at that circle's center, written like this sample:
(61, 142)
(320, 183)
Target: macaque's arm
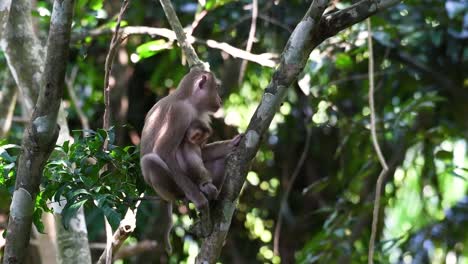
(216, 150)
(220, 149)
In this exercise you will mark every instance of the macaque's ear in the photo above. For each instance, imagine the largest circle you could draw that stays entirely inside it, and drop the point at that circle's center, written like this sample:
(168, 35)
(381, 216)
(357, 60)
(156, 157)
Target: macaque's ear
(202, 81)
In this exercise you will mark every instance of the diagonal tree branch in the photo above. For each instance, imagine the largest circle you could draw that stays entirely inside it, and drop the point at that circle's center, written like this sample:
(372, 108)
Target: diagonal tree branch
(192, 57)
(293, 60)
(309, 33)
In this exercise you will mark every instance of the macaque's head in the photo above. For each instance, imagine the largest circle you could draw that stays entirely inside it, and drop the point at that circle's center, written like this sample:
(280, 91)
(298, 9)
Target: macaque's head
(201, 89)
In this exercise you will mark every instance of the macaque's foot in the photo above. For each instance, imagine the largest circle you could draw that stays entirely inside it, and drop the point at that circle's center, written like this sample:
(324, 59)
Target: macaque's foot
(236, 140)
(210, 191)
(201, 229)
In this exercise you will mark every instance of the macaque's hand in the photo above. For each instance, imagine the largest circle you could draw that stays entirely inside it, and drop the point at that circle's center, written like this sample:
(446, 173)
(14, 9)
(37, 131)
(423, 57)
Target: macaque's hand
(210, 191)
(236, 140)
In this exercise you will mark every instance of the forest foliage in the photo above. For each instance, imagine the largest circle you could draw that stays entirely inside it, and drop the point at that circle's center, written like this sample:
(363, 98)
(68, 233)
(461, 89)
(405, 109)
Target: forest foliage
(421, 55)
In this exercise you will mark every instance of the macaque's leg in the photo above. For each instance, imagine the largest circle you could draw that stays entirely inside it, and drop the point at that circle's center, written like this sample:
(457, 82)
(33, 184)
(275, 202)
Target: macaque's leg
(217, 169)
(194, 194)
(155, 173)
(189, 158)
(152, 164)
(155, 169)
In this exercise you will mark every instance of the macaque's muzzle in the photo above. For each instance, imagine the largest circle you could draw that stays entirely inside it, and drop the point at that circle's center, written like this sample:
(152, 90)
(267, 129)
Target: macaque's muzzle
(217, 104)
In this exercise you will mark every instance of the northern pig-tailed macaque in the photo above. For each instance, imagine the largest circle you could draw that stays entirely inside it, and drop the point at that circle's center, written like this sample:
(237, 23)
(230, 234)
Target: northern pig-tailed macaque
(164, 140)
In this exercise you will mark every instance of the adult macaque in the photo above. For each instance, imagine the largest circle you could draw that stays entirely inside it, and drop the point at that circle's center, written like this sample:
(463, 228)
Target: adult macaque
(163, 140)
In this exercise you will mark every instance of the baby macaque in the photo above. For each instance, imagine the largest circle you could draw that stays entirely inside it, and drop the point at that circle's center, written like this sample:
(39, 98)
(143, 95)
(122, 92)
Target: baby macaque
(190, 157)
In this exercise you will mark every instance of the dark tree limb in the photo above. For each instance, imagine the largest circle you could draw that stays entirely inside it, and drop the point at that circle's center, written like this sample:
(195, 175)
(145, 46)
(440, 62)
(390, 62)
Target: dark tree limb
(41, 133)
(309, 33)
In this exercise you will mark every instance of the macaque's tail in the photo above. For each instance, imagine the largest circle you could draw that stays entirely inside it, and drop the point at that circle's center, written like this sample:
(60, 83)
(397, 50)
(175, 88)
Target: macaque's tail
(167, 234)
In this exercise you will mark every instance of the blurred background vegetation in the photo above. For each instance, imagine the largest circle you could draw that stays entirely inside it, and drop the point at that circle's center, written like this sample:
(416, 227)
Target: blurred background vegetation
(420, 51)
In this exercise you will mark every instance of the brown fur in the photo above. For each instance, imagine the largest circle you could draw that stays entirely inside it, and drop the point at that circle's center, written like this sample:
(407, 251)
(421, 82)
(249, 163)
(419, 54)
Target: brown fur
(170, 162)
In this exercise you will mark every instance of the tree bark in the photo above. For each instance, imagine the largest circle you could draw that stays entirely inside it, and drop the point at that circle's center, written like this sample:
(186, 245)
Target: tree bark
(26, 57)
(308, 34)
(23, 52)
(71, 247)
(42, 131)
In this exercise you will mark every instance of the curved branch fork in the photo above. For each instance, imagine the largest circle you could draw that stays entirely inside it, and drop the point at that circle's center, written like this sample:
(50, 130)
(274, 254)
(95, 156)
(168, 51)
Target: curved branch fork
(313, 29)
(292, 62)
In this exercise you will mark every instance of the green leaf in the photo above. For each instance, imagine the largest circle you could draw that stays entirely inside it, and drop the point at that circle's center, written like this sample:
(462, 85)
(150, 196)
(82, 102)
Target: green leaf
(4, 155)
(151, 48)
(444, 155)
(59, 192)
(70, 210)
(65, 146)
(96, 4)
(80, 193)
(112, 216)
(343, 61)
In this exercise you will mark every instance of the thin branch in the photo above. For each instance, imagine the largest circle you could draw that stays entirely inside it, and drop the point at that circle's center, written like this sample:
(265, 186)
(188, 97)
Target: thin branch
(250, 40)
(115, 42)
(375, 142)
(112, 242)
(264, 59)
(126, 228)
(284, 200)
(192, 57)
(109, 239)
(139, 248)
(196, 21)
(69, 82)
(20, 119)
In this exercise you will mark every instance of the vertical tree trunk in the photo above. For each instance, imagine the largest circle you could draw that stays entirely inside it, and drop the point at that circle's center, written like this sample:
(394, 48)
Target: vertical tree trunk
(41, 133)
(25, 55)
(72, 248)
